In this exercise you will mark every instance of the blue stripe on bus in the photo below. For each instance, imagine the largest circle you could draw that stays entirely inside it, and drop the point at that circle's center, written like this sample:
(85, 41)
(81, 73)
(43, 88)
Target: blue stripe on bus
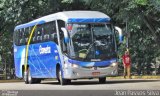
(88, 20)
(28, 25)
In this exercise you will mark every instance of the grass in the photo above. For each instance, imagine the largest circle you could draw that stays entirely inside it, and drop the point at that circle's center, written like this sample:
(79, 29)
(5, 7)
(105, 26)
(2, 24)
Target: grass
(12, 80)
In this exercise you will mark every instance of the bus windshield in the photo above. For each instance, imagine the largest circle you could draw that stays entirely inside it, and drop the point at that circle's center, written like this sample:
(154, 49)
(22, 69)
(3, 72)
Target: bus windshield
(92, 42)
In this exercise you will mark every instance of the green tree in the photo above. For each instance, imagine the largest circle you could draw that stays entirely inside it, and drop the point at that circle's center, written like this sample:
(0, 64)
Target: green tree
(142, 17)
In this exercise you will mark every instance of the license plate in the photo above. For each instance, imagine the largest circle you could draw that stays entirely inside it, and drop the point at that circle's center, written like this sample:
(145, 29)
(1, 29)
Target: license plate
(95, 73)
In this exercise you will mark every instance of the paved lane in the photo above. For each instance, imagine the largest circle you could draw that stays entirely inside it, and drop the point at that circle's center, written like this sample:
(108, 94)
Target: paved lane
(133, 84)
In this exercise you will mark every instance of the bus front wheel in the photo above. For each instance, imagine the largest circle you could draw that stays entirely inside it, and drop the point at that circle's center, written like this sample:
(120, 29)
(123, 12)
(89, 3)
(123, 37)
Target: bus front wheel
(61, 79)
(102, 80)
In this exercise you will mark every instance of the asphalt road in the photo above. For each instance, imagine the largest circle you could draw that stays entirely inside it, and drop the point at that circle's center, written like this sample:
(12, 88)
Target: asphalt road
(85, 84)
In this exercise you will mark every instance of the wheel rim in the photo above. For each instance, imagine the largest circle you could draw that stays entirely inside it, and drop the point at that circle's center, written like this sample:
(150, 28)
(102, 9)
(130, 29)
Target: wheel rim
(29, 76)
(25, 77)
(60, 76)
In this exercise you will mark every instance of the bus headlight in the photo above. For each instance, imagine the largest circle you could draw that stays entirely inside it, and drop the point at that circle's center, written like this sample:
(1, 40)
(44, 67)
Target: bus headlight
(114, 64)
(75, 66)
(67, 65)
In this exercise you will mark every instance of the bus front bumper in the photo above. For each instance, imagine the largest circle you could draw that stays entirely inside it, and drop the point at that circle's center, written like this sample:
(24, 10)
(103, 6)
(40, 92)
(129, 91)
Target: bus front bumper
(92, 72)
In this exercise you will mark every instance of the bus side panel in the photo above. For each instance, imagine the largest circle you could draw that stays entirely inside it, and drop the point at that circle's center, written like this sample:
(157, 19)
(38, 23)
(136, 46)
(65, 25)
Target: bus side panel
(19, 59)
(42, 60)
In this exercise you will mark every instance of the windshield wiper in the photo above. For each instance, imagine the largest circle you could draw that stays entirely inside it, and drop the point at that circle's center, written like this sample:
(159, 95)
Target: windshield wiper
(90, 46)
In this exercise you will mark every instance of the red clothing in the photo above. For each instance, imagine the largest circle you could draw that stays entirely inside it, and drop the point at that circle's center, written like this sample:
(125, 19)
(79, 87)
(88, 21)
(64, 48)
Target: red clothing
(126, 60)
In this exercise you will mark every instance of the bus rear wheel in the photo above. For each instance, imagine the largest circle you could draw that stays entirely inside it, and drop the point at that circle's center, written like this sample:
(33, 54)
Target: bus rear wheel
(102, 80)
(37, 80)
(33, 80)
(28, 78)
(25, 77)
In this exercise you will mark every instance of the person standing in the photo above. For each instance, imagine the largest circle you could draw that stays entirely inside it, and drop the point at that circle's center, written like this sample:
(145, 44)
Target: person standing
(126, 59)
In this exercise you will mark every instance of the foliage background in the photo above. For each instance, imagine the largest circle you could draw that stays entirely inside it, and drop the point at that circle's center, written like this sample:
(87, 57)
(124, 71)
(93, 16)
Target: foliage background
(142, 17)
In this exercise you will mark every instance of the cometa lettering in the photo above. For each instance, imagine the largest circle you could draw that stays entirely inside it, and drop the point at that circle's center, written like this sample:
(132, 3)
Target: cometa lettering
(44, 50)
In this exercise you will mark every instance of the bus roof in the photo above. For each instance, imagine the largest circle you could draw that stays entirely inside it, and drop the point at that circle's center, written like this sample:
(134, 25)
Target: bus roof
(69, 17)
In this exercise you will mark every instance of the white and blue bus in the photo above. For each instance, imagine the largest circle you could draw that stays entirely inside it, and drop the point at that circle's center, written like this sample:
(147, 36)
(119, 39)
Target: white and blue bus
(66, 45)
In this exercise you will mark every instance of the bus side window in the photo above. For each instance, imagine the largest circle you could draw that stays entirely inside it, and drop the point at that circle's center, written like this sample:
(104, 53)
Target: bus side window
(18, 36)
(60, 25)
(63, 45)
(24, 38)
(26, 35)
(21, 36)
(29, 31)
(53, 32)
(46, 32)
(15, 37)
(42, 32)
(39, 33)
(33, 36)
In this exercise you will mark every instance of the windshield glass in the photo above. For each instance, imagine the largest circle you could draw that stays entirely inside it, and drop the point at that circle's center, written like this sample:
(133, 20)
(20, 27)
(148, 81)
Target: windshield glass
(92, 42)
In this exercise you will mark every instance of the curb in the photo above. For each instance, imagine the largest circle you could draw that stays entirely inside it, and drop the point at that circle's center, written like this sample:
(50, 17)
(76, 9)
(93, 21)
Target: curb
(115, 78)
(136, 77)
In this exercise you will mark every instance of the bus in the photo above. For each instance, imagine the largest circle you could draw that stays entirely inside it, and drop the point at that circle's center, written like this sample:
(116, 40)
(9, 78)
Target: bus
(66, 45)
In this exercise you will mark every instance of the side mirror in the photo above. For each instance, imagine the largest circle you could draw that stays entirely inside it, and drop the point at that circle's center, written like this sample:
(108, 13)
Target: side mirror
(119, 31)
(66, 38)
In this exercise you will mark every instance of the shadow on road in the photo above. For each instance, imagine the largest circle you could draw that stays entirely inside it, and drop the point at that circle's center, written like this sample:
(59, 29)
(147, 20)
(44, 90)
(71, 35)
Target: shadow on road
(77, 82)
(91, 82)
(129, 81)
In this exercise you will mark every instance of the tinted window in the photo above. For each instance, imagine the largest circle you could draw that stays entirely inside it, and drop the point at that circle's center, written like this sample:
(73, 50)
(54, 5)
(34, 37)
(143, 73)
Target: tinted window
(46, 31)
(26, 35)
(43, 33)
(53, 34)
(63, 45)
(39, 33)
(21, 36)
(15, 37)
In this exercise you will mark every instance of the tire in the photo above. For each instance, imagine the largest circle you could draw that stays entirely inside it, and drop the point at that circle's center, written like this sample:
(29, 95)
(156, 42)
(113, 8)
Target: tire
(36, 80)
(68, 81)
(102, 80)
(25, 77)
(58, 77)
(30, 79)
(61, 80)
